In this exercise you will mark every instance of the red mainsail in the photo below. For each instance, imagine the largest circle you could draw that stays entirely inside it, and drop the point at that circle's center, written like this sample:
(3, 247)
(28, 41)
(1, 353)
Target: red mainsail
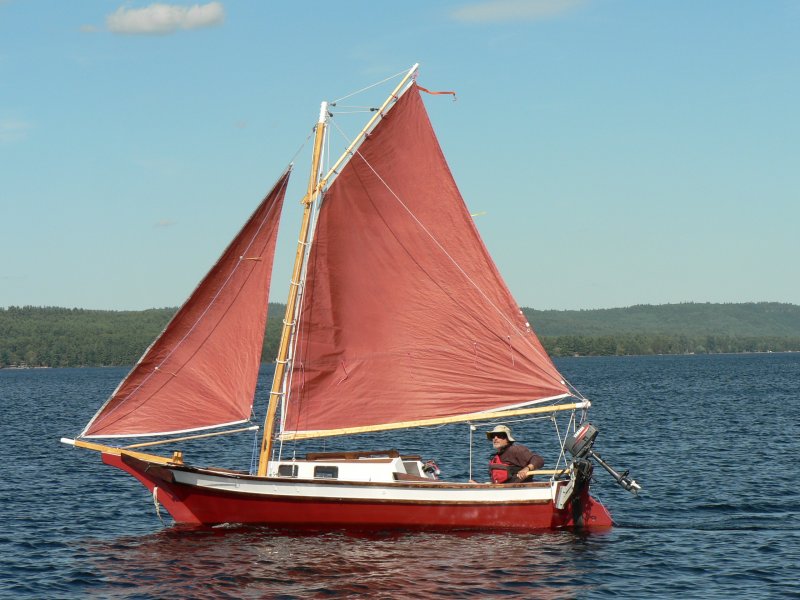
(405, 316)
(202, 370)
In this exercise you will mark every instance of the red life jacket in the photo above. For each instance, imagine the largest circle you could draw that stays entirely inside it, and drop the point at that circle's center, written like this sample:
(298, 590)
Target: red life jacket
(500, 471)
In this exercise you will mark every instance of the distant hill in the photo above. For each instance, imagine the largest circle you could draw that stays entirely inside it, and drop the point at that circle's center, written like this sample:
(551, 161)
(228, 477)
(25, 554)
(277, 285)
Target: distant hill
(761, 319)
(669, 329)
(66, 337)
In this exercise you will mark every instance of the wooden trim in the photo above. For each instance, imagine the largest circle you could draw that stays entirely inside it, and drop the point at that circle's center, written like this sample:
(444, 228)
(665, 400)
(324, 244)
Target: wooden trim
(304, 435)
(153, 458)
(352, 455)
(409, 477)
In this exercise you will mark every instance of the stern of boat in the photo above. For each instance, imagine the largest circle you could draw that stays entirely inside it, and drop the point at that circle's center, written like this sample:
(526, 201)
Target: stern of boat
(573, 504)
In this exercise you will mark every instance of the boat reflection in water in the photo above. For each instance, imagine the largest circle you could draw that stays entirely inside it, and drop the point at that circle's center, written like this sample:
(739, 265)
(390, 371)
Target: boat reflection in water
(257, 562)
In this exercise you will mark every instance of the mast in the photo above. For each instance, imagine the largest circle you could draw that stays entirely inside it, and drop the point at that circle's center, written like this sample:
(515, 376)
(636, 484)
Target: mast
(315, 185)
(294, 286)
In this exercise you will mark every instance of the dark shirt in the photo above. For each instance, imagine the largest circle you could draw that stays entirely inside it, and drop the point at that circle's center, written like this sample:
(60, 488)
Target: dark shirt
(519, 456)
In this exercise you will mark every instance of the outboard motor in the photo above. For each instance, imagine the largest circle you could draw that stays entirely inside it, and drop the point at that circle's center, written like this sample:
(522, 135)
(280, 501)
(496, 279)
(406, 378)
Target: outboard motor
(580, 443)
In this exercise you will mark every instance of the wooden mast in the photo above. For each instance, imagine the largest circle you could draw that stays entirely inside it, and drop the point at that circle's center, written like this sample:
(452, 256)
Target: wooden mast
(314, 188)
(294, 286)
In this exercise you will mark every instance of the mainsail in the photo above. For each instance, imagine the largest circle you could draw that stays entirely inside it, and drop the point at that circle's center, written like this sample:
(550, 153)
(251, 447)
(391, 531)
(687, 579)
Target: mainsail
(405, 316)
(202, 370)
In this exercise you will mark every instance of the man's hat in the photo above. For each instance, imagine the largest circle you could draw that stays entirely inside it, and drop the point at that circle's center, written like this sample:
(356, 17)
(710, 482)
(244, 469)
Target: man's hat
(500, 429)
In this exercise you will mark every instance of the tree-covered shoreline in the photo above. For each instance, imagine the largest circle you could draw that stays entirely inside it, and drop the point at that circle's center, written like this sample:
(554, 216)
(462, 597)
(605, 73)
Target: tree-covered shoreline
(74, 337)
(71, 337)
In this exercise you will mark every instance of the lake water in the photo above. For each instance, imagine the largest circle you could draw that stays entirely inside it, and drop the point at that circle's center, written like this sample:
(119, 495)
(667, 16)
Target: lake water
(712, 439)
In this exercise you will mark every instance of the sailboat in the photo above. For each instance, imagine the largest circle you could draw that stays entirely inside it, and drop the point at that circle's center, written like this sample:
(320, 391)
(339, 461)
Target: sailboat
(396, 318)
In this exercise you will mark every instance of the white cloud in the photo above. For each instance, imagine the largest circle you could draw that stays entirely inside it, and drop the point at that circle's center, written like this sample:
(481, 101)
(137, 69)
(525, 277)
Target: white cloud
(515, 10)
(164, 18)
(13, 131)
(165, 223)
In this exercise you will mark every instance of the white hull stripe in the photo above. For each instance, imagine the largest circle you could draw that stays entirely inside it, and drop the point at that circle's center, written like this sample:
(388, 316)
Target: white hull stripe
(298, 490)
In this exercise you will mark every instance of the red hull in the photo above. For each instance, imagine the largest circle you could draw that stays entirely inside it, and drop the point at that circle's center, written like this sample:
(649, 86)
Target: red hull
(191, 504)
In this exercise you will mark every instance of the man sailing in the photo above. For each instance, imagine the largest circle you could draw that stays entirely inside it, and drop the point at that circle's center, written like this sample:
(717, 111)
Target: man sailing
(513, 462)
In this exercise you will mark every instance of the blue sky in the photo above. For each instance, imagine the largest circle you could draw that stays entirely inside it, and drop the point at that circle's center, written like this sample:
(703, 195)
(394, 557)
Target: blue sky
(619, 152)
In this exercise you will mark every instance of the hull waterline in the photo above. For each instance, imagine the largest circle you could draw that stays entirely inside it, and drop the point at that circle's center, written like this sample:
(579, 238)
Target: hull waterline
(206, 497)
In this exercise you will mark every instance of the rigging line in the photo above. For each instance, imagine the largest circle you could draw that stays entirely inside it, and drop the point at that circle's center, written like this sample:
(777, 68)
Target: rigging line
(191, 329)
(300, 149)
(191, 437)
(353, 106)
(558, 436)
(523, 419)
(297, 326)
(466, 276)
(562, 441)
(254, 454)
(403, 72)
(576, 392)
(355, 112)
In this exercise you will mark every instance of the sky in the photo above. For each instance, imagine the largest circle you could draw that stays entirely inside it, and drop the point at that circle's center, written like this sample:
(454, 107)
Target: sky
(614, 152)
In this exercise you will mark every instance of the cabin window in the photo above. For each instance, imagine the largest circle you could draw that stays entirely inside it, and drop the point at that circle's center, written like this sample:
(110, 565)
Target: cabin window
(326, 472)
(287, 470)
(412, 467)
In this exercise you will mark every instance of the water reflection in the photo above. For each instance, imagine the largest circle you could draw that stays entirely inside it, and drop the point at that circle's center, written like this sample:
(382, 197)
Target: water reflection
(258, 562)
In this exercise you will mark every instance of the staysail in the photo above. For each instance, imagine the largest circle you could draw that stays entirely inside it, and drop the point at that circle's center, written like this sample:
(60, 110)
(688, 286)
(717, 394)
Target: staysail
(405, 316)
(202, 370)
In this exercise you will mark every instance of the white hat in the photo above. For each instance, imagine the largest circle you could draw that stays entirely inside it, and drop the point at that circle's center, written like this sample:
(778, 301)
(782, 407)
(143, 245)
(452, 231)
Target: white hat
(500, 429)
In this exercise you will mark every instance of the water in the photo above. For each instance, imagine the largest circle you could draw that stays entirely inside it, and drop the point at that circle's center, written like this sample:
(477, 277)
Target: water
(713, 440)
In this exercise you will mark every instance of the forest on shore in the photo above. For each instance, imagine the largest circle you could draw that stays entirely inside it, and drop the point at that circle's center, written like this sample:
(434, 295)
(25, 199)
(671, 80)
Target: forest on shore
(69, 337)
